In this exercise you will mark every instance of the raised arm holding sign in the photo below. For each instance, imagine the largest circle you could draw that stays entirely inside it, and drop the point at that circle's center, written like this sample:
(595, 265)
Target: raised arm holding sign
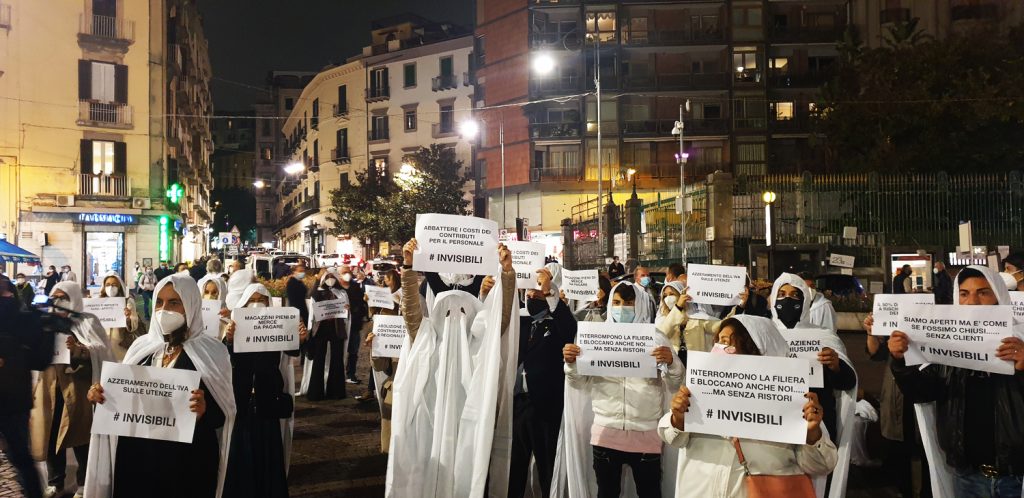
(716, 285)
(527, 258)
(109, 310)
(581, 285)
(456, 244)
(265, 329)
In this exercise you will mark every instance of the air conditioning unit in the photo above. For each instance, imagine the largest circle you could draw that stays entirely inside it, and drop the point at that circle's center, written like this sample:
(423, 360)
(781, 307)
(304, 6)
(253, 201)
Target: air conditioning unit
(65, 200)
(42, 238)
(142, 203)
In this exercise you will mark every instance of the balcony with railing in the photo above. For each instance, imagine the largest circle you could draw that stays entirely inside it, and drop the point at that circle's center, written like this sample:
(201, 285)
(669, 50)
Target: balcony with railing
(299, 211)
(806, 34)
(5, 16)
(340, 111)
(104, 185)
(444, 82)
(556, 85)
(106, 29)
(560, 130)
(341, 156)
(674, 37)
(555, 39)
(808, 79)
(104, 114)
(676, 81)
(663, 127)
(378, 93)
(800, 123)
(443, 130)
(748, 76)
(556, 172)
(377, 135)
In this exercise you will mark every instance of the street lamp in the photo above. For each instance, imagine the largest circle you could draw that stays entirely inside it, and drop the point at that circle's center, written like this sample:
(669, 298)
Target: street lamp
(294, 168)
(543, 63)
(470, 129)
(769, 198)
(259, 184)
(681, 158)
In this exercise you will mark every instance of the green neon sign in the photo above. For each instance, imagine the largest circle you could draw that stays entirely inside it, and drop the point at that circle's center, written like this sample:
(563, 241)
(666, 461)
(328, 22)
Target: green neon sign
(165, 242)
(175, 193)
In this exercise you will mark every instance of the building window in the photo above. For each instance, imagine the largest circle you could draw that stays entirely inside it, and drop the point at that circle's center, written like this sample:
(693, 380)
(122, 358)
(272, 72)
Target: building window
(267, 153)
(379, 128)
(712, 111)
(410, 120)
(749, 113)
(344, 180)
(746, 16)
(102, 157)
(601, 26)
(316, 153)
(379, 82)
(480, 50)
(447, 66)
(447, 119)
(341, 137)
(342, 100)
(315, 123)
(745, 62)
(266, 216)
(779, 65)
(102, 82)
(266, 127)
(409, 75)
(289, 103)
(380, 165)
(783, 111)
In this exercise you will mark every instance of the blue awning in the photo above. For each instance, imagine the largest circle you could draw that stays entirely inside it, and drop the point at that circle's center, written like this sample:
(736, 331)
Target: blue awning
(10, 253)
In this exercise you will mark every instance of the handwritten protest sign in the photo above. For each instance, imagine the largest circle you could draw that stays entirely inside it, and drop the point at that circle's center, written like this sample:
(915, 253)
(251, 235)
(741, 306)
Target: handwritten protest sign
(379, 297)
(754, 397)
(617, 349)
(329, 310)
(211, 317)
(886, 311)
(146, 402)
(265, 329)
(716, 285)
(527, 258)
(388, 335)
(1017, 298)
(806, 344)
(958, 336)
(110, 311)
(456, 244)
(580, 284)
(61, 353)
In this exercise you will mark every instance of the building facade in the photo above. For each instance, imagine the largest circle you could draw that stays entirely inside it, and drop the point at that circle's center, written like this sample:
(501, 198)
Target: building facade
(234, 151)
(90, 96)
(750, 69)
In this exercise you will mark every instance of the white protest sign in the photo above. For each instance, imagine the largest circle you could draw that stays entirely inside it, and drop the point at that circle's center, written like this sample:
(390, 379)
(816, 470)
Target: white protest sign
(110, 311)
(388, 335)
(747, 396)
(840, 260)
(527, 258)
(886, 310)
(1017, 297)
(61, 353)
(617, 349)
(806, 344)
(379, 297)
(456, 244)
(329, 310)
(211, 317)
(265, 329)
(277, 301)
(146, 402)
(580, 284)
(958, 336)
(715, 285)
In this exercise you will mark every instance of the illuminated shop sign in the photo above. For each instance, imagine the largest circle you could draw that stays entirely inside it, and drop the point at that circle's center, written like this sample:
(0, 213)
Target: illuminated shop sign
(107, 218)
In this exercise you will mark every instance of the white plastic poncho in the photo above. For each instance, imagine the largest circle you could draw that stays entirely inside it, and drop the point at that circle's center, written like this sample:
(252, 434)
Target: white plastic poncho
(452, 414)
(573, 475)
(86, 328)
(823, 314)
(222, 287)
(287, 375)
(941, 473)
(846, 403)
(236, 286)
(213, 364)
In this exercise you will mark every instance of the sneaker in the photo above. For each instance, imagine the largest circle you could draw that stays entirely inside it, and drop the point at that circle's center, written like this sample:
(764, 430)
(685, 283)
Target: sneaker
(52, 492)
(351, 380)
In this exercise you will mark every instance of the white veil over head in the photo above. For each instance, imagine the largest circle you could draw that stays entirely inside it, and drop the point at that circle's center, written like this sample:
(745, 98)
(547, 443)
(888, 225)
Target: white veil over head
(643, 307)
(86, 328)
(236, 286)
(222, 287)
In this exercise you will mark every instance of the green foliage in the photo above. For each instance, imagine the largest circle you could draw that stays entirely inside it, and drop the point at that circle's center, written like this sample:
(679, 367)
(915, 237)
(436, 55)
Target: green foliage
(380, 207)
(919, 104)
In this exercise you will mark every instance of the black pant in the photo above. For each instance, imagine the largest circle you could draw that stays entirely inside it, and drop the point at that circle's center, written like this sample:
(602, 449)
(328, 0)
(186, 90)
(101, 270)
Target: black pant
(57, 460)
(14, 430)
(354, 343)
(608, 468)
(327, 339)
(534, 432)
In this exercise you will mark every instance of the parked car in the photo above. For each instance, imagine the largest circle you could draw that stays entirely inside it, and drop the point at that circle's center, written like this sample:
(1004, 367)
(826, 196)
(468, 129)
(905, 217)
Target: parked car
(839, 285)
(327, 260)
(263, 266)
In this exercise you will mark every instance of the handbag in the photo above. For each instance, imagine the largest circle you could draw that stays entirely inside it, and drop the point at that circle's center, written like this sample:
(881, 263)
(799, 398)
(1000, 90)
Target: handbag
(769, 486)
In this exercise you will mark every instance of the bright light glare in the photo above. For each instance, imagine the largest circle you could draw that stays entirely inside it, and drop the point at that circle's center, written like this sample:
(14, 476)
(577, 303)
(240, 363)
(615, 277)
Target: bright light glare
(293, 168)
(469, 129)
(259, 184)
(543, 63)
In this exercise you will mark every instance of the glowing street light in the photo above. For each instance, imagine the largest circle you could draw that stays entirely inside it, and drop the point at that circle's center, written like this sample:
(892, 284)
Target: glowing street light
(294, 168)
(469, 129)
(259, 184)
(543, 63)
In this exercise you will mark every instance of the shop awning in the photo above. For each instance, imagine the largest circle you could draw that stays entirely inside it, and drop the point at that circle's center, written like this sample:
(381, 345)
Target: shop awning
(10, 253)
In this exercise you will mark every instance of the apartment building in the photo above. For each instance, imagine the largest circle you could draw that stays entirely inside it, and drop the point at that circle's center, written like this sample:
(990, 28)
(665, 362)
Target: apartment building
(234, 151)
(104, 147)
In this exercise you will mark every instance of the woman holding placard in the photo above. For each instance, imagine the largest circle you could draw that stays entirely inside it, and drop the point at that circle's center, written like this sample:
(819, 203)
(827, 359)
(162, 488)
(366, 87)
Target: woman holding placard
(382, 374)
(121, 338)
(328, 345)
(717, 467)
(125, 466)
(597, 311)
(60, 418)
(263, 384)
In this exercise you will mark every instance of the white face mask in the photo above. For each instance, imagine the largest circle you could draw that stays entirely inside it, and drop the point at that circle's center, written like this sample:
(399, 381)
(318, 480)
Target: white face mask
(330, 282)
(256, 305)
(670, 301)
(168, 321)
(300, 275)
(112, 291)
(346, 277)
(21, 281)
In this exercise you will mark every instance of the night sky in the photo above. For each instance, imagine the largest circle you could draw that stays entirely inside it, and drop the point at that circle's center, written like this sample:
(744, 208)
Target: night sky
(250, 37)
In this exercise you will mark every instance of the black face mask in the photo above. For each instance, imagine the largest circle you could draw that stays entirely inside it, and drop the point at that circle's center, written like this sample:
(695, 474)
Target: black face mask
(537, 308)
(788, 310)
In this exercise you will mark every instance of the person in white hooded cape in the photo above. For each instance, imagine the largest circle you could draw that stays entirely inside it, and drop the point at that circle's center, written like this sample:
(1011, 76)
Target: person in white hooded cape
(840, 403)
(145, 469)
(574, 468)
(451, 419)
(939, 391)
(121, 338)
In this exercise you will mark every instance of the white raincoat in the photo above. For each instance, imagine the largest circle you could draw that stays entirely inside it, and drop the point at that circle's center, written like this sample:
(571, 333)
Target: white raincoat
(87, 328)
(213, 364)
(846, 402)
(451, 418)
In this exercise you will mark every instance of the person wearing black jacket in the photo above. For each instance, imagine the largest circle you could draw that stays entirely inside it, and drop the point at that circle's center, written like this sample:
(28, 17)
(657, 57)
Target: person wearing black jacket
(357, 314)
(616, 269)
(540, 385)
(296, 291)
(52, 277)
(755, 304)
(943, 288)
(977, 414)
(24, 346)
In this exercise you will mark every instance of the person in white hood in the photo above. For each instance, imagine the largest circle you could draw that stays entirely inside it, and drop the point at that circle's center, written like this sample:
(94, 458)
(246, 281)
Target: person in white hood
(121, 338)
(626, 409)
(823, 314)
(711, 467)
(131, 467)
